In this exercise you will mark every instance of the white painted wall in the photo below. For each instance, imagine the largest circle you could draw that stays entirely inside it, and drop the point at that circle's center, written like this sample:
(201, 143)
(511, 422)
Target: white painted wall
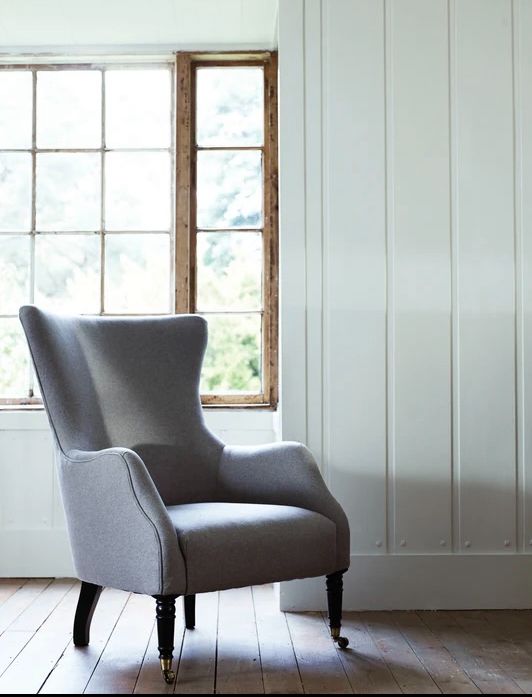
(406, 228)
(195, 24)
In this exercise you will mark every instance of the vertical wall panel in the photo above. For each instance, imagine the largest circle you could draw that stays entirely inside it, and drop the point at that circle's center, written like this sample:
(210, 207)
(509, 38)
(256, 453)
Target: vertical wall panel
(421, 158)
(292, 219)
(419, 262)
(483, 99)
(314, 225)
(354, 265)
(523, 74)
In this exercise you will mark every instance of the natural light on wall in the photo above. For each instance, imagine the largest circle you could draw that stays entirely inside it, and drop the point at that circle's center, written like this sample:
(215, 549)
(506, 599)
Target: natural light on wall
(87, 220)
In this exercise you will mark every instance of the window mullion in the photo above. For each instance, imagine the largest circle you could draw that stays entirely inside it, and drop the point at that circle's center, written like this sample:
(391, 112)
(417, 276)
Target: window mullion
(173, 184)
(184, 175)
(33, 184)
(102, 198)
(31, 384)
(270, 234)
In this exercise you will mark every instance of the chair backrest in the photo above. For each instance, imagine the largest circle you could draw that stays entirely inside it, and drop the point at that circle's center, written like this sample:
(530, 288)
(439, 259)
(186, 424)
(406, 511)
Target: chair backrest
(132, 383)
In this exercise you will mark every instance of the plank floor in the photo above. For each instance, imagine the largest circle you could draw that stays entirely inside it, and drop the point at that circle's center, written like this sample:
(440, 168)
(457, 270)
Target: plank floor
(243, 644)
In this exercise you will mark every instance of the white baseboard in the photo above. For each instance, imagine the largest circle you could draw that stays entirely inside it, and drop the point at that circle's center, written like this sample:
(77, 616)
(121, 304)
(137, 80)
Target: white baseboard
(423, 582)
(35, 553)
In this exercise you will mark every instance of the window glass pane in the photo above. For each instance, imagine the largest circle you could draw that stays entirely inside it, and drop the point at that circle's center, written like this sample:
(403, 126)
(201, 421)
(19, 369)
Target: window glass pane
(69, 109)
(137, 193)
(229, 185)
(14, 272)
(68, 191)
(137, 108)
(15, 191)
(233, 358)
(15, 108)
(229, 271)
(14, 363)
(137, 273)
(67, 274)
(230, 106)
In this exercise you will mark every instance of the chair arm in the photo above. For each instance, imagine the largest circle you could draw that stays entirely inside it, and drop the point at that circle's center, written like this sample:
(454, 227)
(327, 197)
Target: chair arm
(284, 474)
(120, 531)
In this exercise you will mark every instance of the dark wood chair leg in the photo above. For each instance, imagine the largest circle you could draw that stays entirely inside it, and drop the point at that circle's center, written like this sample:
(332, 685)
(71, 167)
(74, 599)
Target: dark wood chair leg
(88, 599)
(165, 634)
(190, 611)
(335, 588)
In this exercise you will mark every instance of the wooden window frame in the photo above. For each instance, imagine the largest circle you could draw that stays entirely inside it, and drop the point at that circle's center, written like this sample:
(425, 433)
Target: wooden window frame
(184, 214)
(185, 217)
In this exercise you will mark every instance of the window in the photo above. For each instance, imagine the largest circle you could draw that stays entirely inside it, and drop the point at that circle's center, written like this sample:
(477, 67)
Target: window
(145, 188)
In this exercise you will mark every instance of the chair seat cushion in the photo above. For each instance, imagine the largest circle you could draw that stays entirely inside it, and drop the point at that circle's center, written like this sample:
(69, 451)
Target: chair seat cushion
(229, 545)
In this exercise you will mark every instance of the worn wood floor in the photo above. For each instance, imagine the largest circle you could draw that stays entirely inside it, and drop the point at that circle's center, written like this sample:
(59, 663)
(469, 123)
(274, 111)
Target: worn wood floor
(243, 644)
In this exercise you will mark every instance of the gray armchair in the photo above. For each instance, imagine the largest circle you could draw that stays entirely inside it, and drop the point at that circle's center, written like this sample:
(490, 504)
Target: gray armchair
(154, 502)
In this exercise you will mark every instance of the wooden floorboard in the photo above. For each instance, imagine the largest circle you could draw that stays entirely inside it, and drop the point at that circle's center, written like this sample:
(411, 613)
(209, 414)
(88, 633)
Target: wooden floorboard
(197, 665)
(42, 607)
(76, 665)
(436, 659)
(29, 670)
(320, 667)
(20, 600)
(466, 649)
(238, 662)
(9, 586)
(119, 666)
(365, 667)
(511, 658)
(242, 644)
(407, 669)
(280, 672)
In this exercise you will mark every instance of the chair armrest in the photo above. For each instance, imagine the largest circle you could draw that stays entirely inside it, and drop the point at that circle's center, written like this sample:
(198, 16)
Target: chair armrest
(120, 531)
(284, 474)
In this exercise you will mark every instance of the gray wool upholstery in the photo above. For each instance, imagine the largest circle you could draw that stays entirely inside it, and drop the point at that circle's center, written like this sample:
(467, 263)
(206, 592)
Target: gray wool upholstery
(154, 502)
(215, 538)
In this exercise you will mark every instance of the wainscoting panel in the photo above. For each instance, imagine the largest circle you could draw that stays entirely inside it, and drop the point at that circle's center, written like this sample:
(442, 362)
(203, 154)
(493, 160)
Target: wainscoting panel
(417, 197)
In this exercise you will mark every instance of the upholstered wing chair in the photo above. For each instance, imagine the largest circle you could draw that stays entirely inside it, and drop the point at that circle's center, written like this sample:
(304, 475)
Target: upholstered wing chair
(154, 502)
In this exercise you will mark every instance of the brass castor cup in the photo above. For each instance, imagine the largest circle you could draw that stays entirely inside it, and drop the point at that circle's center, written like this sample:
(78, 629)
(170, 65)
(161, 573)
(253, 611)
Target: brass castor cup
(166, 668)
(342, 641)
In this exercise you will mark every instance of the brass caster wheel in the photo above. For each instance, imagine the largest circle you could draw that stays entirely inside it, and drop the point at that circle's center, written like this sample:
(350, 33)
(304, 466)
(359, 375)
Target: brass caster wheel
(169, 676)
(342, 641)
(166, 668)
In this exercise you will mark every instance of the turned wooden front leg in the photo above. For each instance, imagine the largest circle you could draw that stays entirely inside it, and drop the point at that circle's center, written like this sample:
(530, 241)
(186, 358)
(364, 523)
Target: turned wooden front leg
(335, 587)
(165, 606)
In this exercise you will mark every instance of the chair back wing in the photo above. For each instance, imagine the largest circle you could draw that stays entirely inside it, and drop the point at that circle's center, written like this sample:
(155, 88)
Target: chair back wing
(132, 383)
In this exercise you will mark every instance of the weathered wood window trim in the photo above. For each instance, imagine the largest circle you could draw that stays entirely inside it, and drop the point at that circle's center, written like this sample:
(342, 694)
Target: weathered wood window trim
(186, 229)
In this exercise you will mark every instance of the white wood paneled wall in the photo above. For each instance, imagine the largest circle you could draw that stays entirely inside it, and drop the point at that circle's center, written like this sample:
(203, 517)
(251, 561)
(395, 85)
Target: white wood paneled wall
(406, 214)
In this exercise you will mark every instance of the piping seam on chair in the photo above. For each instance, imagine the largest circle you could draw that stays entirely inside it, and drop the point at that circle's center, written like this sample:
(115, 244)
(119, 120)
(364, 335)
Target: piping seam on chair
(137, 501)
(182, 549)
(155, 530)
